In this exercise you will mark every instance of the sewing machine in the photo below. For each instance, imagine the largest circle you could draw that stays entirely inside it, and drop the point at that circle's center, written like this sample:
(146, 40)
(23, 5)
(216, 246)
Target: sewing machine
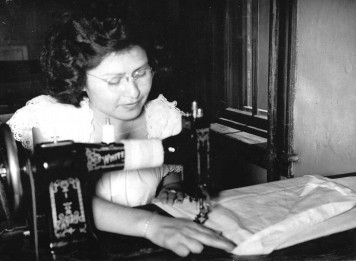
(53, 186)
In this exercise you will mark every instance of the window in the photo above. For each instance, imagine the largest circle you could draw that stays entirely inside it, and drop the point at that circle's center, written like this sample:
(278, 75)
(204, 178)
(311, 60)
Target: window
(246, 65)
(259, 56)
(237, 59)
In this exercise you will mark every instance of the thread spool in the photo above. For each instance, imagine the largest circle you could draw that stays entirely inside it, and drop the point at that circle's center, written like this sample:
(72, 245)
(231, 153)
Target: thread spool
(108, 132)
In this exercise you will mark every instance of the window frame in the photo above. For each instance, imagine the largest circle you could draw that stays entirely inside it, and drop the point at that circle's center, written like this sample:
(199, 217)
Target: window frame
(244, 117)
(276, 124)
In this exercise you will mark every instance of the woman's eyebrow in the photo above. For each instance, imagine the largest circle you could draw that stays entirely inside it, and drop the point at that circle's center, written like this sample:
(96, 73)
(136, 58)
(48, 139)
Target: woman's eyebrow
(122, 74)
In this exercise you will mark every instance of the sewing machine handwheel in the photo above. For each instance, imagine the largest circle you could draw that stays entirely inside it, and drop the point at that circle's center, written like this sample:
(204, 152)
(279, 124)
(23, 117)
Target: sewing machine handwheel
(10, 168)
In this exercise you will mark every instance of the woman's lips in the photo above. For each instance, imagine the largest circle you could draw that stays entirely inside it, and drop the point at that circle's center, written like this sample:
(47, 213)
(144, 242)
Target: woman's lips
(130, 105)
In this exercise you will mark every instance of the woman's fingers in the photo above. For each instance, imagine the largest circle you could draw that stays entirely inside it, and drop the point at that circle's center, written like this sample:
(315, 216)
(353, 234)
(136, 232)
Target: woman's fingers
(180, 197)
(194, 241)
(180, 250)
(184, 236)
(210, 237)
(170, 196)
(215, 239)
(186, 246)
(163, 195)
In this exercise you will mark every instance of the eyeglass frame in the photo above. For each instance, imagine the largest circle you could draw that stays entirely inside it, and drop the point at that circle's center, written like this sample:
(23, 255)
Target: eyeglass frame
(132, 76)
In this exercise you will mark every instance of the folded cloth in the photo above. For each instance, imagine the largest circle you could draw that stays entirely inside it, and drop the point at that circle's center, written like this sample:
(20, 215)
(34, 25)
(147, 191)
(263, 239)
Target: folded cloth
(266, 217)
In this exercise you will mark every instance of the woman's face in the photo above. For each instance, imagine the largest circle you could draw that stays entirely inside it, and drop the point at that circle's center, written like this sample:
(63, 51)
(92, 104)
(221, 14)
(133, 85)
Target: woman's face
(119, 86)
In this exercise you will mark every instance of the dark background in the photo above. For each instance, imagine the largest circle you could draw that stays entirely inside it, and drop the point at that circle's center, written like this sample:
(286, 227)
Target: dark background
(182, 29)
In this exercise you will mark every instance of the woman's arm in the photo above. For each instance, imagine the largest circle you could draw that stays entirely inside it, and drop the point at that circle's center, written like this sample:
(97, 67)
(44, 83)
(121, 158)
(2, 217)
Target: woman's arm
(111, 217)
(178, 235)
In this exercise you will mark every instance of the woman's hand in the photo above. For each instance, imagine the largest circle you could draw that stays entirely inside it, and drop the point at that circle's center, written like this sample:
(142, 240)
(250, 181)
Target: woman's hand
(169, 196)
(171, 190)
(183, 236)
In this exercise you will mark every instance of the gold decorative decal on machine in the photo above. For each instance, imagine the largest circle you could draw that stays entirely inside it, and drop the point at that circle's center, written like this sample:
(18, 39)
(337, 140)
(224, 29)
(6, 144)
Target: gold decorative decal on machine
(203, 148)
(105, 157)
(203, 137)
(67, 208)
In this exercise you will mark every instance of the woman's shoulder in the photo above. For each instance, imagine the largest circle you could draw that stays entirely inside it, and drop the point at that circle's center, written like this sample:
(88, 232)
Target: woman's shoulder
(42, 105)
(32, 112)
(54, 119)
(42, 99)
(163, 118)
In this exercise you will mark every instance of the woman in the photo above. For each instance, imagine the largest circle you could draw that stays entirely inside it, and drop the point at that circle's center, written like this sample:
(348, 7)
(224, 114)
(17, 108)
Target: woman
(97, 69)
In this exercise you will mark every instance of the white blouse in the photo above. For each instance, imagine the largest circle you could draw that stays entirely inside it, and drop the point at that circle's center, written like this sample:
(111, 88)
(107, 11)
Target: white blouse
(59, 121)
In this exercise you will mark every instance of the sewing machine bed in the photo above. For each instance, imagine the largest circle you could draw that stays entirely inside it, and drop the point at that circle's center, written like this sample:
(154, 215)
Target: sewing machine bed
(336, 246)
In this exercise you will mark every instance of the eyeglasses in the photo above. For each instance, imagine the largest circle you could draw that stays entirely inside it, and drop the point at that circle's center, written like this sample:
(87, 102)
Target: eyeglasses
(140, 76)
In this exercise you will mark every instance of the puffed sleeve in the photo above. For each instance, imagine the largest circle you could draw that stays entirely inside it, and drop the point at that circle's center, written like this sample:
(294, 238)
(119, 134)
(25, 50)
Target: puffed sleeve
(55, 121)
(24, 119)
(164, 119)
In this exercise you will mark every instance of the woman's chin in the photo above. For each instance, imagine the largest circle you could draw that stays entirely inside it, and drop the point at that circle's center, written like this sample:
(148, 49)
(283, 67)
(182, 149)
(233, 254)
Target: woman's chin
(128, 115)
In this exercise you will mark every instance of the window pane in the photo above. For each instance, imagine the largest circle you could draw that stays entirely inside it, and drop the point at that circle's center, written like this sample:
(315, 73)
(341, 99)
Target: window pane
(247, 52)
(257, 39)
(263, 47)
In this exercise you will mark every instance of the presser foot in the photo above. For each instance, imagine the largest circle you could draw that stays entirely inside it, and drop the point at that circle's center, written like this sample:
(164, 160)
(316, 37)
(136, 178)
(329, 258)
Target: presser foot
(204, 209)
(201, 218)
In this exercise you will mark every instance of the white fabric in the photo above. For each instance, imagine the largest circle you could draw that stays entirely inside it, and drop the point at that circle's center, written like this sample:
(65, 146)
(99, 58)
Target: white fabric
(148, 153)
(262, 218)
(65, 122)
(55, 120)
(163, 118)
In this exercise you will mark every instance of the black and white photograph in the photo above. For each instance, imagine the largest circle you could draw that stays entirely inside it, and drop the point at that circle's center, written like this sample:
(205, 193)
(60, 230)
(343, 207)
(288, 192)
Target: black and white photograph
(158, 130)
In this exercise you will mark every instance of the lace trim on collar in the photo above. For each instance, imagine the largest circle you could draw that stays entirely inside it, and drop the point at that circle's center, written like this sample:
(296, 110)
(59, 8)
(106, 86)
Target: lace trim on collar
(163, 118)
(63, 122)
(56, 121)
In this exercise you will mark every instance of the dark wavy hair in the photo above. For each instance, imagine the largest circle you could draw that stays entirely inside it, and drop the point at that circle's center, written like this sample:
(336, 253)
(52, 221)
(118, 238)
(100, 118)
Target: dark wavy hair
(79, 43)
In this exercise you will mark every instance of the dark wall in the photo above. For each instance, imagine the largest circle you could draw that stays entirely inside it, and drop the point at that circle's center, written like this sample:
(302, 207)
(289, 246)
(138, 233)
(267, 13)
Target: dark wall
(182, 29)
(23, 24)
(185, 29)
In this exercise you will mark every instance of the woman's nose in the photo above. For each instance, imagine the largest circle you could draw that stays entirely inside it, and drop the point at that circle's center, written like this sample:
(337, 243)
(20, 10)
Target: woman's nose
(130, 88)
